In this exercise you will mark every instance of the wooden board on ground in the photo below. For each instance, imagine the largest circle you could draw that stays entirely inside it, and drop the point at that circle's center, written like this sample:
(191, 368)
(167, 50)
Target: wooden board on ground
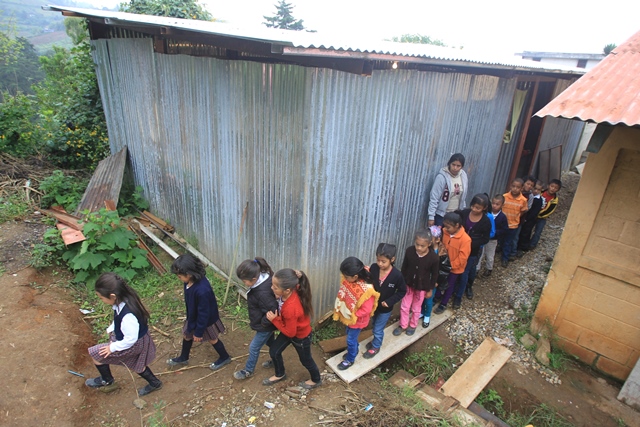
(475, 373)
(340, 343)
(391, 346)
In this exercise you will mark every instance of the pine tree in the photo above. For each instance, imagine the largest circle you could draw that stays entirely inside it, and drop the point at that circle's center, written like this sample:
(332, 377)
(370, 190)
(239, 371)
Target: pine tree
(283, 18)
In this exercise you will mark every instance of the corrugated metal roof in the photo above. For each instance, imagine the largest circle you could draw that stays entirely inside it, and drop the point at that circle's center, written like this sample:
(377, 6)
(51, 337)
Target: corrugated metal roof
(609, 93)
(308, 43)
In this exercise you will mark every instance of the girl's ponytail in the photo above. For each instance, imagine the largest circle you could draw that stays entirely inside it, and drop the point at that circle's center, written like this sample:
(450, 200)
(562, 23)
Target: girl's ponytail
(250, 269)
(111, 283)
(304, 292)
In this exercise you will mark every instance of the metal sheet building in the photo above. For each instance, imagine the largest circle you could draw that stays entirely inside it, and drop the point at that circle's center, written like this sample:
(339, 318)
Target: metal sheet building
(330, 162)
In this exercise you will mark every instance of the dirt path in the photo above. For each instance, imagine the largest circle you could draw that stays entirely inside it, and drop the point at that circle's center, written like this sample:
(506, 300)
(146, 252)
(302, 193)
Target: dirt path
(43, 334)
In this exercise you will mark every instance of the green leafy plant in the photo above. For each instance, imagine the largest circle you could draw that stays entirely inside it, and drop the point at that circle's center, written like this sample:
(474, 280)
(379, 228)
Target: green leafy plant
(328, 330)
(131, 200)
(62, 190)
(540, 416)
(109, 246)
(19, 131)
(491, 401)
(13, 207)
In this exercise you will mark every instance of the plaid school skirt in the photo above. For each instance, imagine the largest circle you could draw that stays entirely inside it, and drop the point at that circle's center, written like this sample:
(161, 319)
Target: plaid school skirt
(137, 357)
(210, 334)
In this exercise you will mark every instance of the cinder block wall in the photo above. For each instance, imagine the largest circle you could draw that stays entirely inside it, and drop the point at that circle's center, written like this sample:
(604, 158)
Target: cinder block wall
(592, 294)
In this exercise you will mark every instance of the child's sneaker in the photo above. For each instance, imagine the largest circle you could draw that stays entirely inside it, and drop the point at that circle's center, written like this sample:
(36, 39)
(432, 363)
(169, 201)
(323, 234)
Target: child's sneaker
(267, 364)
(242, 374)
(411, 331)
(456, 303)
(370, 353)
(487, 273)
(425, 323)
(397, 331)
(345, 364)
(369, 345)
(440, 309)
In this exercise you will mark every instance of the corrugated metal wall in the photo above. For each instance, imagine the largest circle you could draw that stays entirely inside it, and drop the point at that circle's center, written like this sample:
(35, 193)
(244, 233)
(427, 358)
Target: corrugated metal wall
(331, 163)
(558, 131)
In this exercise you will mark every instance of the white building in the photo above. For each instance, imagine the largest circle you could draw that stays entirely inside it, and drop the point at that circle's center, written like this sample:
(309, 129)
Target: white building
(578, 60)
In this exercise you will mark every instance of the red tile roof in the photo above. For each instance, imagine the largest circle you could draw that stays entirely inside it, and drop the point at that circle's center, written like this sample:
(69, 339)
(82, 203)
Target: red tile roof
(610, 92)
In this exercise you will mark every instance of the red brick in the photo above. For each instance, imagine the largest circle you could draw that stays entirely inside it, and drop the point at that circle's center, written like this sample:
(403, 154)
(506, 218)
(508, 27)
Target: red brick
(585, 355)
(607, 347)
(612, 368)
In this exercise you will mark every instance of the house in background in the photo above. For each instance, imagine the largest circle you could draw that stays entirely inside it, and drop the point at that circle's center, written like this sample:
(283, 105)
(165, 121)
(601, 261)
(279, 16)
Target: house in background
(333, 145)
(578, 60)
(592, 294)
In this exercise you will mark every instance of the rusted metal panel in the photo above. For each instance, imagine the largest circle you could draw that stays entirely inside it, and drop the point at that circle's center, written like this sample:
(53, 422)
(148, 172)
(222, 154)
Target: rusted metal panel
(105, 183)
(331, 163)
(608, 93)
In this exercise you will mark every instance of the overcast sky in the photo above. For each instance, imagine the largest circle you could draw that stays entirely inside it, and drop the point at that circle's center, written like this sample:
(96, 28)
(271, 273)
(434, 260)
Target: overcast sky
(504, 26)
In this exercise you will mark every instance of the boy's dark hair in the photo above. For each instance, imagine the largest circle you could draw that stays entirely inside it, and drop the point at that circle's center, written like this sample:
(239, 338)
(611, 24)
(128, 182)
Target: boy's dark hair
(499, 197)
(518, 180)
(296, 279)
(480, 199)
(529, 178)
(423, 233)
(111, 283)
(452, 218)
(556, 181)
(250, 269)
(386, 250)
(540, 183)
(352, 266)
(458, 156)
(188, 265)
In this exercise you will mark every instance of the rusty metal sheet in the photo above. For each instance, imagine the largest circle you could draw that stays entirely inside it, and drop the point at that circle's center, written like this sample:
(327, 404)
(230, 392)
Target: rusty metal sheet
(105, 183)
(69, 235)
(609, 93)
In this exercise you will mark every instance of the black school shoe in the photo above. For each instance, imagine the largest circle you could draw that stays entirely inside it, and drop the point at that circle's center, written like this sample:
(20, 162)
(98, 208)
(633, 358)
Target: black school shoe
(487, 273)
(469, 292)
(440, 309)
(149, 389)
(97, 382)
(456, 303)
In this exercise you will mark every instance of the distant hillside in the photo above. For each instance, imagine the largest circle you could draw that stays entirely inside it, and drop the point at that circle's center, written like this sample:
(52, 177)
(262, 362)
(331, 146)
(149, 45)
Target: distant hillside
(25, 18)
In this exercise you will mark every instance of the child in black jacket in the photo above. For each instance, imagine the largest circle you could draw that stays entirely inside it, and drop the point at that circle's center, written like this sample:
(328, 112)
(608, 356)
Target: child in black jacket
(478, 227)
(528, 222)
(256, 274)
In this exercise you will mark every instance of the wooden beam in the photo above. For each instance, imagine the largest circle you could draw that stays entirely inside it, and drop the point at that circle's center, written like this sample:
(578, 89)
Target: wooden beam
(65, 218)
(157, 241)
(475, 373)
(523, 135)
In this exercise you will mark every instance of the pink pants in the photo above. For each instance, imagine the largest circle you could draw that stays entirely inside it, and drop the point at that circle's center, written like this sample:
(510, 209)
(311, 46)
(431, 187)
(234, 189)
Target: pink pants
(411, 303)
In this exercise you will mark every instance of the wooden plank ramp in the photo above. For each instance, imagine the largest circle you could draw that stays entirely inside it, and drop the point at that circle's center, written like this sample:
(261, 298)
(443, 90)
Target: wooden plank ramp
(475, 373)
(391, 346)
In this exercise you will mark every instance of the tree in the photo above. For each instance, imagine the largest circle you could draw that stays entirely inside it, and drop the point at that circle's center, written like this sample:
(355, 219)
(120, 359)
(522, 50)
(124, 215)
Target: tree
(418, 38)
(19, 66)
(76, 29)
(186, 9)
(609, 48)
(283, 18)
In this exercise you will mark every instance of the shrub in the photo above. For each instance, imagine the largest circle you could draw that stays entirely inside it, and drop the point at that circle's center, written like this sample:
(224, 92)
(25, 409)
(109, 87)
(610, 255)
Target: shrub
(13, 207)
(19, 131)
(62, 190)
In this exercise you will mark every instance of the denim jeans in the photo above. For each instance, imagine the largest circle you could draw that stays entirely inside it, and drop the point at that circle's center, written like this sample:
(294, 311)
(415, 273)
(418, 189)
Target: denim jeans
(260, 339)
(507, 243)
(303, 348)
(538, 232)
(468, 276)
(516, 237)
(352, 343)
(427, 306)
(379, 322)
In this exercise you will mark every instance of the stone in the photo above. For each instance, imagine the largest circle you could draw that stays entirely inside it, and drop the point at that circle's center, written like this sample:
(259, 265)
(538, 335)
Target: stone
(139, 403)
(528, 340)
(543, 350)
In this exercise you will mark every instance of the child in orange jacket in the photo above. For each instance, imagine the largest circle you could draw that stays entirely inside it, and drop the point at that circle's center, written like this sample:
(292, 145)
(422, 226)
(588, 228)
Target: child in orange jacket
(458, 245)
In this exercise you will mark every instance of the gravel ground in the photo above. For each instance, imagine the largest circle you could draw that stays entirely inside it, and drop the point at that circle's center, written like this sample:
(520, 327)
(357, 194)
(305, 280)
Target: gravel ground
(500, 296)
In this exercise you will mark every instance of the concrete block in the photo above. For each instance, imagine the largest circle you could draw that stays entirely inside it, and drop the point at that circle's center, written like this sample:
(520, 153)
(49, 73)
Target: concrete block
(586, 297)
(569, 330)
(608, 227)
(619, 254)
(543, 350)
(612, 368)
(585, 355)
(618, 309)
(630, 234)
(609, 348)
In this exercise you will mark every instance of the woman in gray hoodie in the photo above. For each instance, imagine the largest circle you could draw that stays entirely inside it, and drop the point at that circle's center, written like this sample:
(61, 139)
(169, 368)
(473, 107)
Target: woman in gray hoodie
(448, 191)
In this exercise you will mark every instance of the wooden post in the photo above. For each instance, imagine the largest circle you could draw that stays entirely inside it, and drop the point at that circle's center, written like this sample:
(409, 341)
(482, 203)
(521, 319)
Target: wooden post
(235, 253)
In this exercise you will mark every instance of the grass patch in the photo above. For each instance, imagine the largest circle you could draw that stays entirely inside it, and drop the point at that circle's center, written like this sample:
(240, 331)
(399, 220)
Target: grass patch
(433, 362)
(520, 326)
(13, 207)
(328, 330)
(539, 416)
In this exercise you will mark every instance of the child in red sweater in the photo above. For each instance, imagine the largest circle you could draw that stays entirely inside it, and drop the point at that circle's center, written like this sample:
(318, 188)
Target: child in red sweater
(293, 320)
(356, 302)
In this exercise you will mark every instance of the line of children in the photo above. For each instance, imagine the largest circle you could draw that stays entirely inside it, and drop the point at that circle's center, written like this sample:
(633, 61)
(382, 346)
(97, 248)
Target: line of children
(444, 269)
(355, 303)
